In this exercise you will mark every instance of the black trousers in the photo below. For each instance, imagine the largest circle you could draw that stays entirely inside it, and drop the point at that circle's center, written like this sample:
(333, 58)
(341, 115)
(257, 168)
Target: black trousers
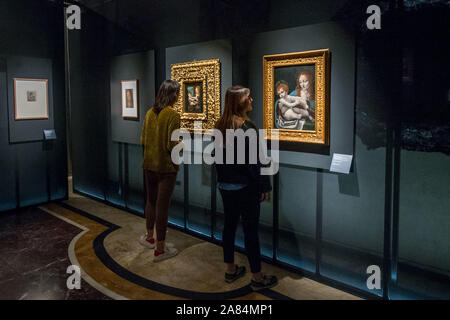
(242, 203)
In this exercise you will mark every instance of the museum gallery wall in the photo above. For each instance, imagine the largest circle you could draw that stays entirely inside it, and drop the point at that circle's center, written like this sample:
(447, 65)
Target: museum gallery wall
(32, 80)
(200, 189)
(132, 91)
(189, 65)
(324, 222)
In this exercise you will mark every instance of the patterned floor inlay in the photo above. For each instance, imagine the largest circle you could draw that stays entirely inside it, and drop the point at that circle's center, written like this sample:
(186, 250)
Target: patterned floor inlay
(113, 261)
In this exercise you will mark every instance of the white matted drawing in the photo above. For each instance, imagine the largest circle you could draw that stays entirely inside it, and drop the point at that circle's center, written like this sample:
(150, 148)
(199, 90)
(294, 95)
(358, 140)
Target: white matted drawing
(30, 99)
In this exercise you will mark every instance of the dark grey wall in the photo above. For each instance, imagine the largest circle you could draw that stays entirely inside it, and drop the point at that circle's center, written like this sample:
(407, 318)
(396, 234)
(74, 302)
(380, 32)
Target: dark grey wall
(89, 103)
(31, 172)
(8, 197)
(341, 43)
(200, 194)
(34, 68)
(140, 66)
(105, 151)
(125, 185)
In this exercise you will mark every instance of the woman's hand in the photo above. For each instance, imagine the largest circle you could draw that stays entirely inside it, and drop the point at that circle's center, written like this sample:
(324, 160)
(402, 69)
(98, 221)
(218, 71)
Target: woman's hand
(265, 196)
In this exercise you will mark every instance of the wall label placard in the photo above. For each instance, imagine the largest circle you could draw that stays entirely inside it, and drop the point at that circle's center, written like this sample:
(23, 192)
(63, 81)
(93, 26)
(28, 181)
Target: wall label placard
(341, 163)
(50, 134)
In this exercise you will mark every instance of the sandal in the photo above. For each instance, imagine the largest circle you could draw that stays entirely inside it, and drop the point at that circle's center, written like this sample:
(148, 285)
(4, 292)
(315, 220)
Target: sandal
(238, 273)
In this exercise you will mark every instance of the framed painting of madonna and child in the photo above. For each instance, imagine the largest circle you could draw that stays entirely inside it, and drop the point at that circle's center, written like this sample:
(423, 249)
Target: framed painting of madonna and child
(199, 102)
(296, 97)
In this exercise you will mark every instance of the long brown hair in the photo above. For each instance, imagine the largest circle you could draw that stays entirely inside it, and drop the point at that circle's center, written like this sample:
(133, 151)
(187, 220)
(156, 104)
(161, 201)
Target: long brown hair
(308, 76)
(234, 106)
(167, 95)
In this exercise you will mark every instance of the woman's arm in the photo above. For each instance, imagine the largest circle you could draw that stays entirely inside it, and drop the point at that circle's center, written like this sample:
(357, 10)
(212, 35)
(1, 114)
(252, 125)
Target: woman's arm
(144, 133)
(255, 169)
(174, 124)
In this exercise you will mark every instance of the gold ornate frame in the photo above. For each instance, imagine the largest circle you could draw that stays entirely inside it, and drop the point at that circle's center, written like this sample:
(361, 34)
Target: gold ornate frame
(208, 73)
(318, 58)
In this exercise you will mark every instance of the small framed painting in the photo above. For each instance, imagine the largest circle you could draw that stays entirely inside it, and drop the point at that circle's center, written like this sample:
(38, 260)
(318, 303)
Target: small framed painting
(30, 99)
(193, 100)
(199, 102)
(130, 103)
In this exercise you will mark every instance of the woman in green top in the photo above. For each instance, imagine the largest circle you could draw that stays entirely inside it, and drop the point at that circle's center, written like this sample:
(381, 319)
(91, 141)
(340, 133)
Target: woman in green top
(159, 170)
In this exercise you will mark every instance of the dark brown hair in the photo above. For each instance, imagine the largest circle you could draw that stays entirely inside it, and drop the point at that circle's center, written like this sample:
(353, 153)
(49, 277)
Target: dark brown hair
(234, 106)
(167, 95)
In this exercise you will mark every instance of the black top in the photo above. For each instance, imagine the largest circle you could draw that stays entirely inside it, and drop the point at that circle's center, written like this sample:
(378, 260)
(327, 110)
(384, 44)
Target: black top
(249, 174)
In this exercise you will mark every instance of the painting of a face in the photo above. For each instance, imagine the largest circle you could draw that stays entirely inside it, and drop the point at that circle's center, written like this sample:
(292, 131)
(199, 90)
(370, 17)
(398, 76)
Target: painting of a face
(303, 82)
(193, 98)
(294, 98)
(31, 96)
(129, 98)
(282, 93)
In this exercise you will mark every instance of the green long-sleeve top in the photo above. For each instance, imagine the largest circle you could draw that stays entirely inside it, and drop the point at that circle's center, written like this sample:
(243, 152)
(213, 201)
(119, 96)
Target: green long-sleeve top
(155, 137)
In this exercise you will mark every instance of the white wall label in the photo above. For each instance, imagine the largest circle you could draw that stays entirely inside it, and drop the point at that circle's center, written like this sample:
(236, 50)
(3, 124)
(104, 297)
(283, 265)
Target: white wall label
(341, 163)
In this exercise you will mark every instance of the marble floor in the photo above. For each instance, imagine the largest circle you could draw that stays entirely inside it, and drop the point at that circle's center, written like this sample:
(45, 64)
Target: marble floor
(34, 258)
(38, 244)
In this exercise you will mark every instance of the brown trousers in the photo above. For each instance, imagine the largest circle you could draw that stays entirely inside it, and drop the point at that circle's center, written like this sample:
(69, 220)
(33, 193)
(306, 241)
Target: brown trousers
(159, 192)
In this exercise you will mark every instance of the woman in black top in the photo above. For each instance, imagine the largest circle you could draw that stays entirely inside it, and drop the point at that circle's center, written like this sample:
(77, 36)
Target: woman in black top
(242, 188)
